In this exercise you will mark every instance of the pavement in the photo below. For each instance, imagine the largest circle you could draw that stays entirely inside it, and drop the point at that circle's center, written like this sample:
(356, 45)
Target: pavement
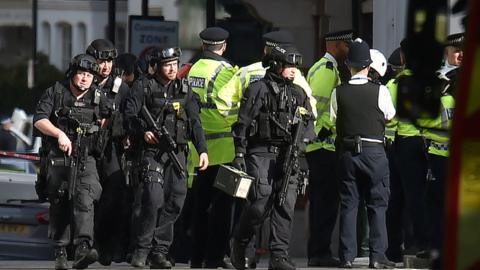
(359, 263)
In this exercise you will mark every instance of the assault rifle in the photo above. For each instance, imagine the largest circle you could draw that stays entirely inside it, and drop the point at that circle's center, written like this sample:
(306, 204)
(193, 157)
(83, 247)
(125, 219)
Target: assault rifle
(78, 152)
(167, 143)
(292, 155)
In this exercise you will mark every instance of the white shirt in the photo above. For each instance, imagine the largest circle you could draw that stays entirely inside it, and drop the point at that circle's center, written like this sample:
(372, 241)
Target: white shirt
(331, 59)
(384, 99)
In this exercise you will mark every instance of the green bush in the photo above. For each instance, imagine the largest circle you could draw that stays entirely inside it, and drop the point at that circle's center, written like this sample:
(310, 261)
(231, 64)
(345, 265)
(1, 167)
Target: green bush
(13, 85)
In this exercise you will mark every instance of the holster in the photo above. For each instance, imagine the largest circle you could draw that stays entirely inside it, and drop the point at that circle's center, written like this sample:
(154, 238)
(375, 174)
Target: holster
(352, 144)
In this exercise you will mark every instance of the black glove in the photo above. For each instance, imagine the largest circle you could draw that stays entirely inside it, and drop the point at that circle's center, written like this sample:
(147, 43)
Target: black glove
(323, 134)
(239, 163)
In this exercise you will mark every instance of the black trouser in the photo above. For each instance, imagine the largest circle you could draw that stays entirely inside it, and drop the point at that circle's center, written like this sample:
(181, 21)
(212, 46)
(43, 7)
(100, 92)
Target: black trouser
(395, 224)
(211, 218)
(412, 170)
(436, 197)
(324, 198)
(367, 174)
(114, 208)
(263, 202)
(161, 193)
(87, 191)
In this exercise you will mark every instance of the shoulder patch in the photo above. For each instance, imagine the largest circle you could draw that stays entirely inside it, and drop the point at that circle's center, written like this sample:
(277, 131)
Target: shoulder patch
(329, 65)
(198, 82)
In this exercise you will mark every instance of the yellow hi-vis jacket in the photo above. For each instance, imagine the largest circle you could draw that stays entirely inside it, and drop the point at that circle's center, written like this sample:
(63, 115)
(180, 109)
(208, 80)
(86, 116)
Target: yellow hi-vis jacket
(323, 77)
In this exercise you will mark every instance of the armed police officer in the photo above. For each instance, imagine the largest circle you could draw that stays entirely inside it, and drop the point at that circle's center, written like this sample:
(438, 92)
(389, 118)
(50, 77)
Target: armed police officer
(360, 108)
(68, 115)
(112, 219)
(168, 111)
(274, 123)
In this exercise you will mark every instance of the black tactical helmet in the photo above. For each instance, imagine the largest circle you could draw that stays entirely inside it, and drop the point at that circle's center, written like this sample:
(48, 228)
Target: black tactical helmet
(162, 55)
(102, 49)
(282, 55)
(82, 62)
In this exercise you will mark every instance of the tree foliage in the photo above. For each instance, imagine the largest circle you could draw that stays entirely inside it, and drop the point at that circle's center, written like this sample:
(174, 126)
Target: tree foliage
(13, 85)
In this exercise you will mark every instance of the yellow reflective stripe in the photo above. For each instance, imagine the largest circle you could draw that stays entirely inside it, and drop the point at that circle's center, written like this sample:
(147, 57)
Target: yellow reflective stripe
(211, 83)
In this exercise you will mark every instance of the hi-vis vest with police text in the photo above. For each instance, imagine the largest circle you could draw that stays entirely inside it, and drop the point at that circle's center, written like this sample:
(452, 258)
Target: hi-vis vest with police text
(229, 97)
(437, 130)
(404, 127)
(323, 77)
(206, 77)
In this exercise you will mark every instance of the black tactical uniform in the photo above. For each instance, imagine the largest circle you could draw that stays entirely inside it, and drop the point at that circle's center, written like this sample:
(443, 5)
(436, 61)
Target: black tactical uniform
(72, 198)
(360, 108)
(262, 134)
(113, 215)
(162, 189)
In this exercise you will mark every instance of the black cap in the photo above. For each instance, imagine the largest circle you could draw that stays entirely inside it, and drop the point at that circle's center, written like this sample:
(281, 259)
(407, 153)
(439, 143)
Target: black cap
(455, 40)
(214, 35)
(276, 38)
(344, 35)
(359, 54)
(395, 59)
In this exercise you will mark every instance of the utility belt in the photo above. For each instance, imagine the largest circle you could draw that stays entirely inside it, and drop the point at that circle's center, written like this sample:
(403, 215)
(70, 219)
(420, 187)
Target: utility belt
(355, 144)
(272, 149)
(152, 174)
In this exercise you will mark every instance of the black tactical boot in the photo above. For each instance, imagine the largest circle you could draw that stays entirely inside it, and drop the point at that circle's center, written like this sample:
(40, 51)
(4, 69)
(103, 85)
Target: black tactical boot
(84, 256)
(61, 261)
(139, 258)
(280, 263)
(237, 254)
(159, 261)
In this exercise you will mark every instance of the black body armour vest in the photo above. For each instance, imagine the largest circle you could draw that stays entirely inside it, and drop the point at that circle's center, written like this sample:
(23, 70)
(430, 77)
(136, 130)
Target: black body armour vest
(273, 125)
(358, 113)
(69, 113)
(168, 109)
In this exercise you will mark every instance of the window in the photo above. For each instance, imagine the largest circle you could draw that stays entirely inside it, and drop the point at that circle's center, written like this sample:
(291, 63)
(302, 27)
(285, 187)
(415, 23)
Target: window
(66, 44)
(120, 38)
(82, 37)
(46, 38)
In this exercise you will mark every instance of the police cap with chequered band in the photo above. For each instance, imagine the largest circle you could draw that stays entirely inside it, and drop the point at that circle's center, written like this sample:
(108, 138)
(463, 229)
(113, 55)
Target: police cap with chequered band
(214, 35)
(455, 40)
(344, 35)
(276, 38)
